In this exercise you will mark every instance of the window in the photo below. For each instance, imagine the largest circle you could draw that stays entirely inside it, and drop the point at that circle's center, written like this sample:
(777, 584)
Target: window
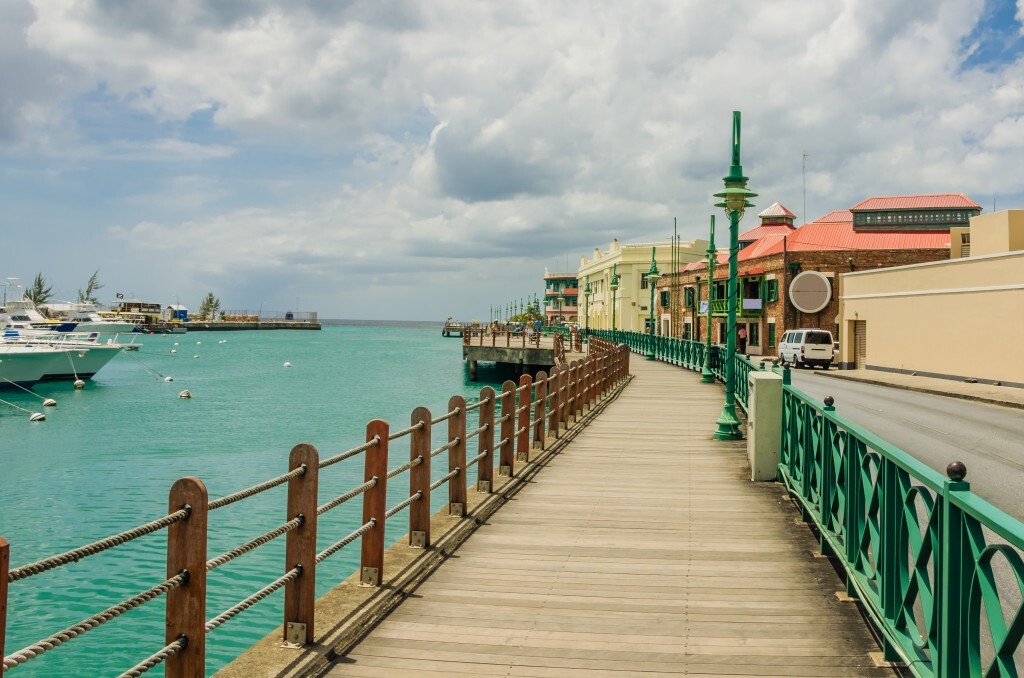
(690, 296)
(771, 292)
(754, 332)
(687, 331)
(643, 281)
(665, 298)
(771, 335)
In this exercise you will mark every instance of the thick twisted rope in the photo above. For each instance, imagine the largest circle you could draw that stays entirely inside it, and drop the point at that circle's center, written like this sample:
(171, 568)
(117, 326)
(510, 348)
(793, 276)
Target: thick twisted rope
(445, 417)
(259, 541)
(92, 549)
(406, 431)
(503, 443)
(434, 453)
(524, 407)
(86, 625)
(254, 598)
(156, 659)
(503, 419)
(350, 453)
(478, 431)
(398, 507)
(470, 408)
(478, 458)
(337, 546)
(445, 478)
(255, 489)
(405, 467)
(341, 499)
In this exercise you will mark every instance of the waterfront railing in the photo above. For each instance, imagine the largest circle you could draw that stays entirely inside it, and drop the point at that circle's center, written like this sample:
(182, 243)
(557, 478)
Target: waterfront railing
(939, 571)
(510, 424)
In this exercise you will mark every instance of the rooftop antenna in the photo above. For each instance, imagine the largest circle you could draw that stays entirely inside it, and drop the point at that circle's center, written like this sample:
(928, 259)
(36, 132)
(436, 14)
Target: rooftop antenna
(804, 164)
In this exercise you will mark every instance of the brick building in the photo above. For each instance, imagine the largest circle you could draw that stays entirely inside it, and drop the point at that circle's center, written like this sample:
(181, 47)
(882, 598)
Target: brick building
(787, 275)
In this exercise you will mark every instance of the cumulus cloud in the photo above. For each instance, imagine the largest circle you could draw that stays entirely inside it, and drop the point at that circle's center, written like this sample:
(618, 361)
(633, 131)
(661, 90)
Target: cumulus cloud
(452, 140)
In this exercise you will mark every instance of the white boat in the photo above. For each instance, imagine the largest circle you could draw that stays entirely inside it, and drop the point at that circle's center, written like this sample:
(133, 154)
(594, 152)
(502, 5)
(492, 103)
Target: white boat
(87, 318)
(82, 354)
(24, 365)
(23, 313)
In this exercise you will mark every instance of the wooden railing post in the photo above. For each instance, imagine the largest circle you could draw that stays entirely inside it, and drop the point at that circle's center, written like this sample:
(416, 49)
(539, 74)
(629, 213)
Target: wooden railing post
(523, 424)
(300, 593)
(371, 557)
(577, 391)
(556, 397)
(485, 441)
(186, 604)
(569, 413)
(457, 456)
(5, 567)
(506, 455)
(540, 409)
(419, 479)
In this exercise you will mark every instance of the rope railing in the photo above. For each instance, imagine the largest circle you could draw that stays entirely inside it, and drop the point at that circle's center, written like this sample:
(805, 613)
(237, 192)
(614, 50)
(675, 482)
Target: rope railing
(445, 448)
(406, 431)
(446, 417)
(255, 489)
(445, 478)
(342, 543)
(155, 659)
(342, 498)
(86, 625)
(244, 605)
(347, 454)
(74, 555)
(405, 467)
(570, 385)
(401, 505)
(254, 544)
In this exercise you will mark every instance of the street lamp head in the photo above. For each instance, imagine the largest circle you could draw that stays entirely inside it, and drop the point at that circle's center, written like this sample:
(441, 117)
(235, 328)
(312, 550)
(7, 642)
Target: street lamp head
(587, 291)
(614, 284)
(735, 197)
(653, 274)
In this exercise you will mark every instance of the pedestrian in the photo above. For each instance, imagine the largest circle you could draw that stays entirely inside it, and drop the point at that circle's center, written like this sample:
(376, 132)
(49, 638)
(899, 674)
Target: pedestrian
(741, 335)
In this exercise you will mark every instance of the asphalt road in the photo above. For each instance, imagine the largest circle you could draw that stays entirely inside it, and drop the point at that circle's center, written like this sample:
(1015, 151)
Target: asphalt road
(938, 430)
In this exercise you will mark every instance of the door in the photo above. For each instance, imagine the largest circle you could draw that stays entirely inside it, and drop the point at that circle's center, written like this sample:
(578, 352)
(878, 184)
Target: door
(860, 343)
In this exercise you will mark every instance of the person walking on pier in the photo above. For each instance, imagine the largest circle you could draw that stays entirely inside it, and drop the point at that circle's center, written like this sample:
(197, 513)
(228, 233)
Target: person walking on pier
(741, 336)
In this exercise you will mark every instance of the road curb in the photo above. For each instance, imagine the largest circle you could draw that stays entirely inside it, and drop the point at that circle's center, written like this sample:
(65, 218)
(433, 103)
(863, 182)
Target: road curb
(922, 389)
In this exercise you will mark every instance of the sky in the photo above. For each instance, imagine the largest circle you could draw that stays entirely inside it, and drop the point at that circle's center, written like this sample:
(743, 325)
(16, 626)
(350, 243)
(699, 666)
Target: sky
(392, 159)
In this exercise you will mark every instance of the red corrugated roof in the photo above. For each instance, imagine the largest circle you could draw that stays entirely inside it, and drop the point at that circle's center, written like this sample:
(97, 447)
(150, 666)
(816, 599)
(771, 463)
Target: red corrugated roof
(776, 210)
(916, 202)
(824, 235)
(767, 229)
(761, 247)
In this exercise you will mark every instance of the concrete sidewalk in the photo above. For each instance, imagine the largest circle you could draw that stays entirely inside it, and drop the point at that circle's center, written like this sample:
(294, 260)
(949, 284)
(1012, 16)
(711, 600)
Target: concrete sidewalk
(1005, 396)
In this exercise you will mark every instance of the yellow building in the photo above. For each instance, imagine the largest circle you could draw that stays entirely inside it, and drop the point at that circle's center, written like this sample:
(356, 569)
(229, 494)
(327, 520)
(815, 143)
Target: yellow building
(633, 297)
(958, 319)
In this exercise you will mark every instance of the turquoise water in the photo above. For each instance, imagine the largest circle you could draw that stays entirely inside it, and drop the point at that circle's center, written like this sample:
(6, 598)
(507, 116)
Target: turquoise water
(106, 456)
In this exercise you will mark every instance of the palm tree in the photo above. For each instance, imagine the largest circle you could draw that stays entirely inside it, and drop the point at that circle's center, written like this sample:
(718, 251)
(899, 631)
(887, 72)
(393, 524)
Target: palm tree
(40, 292)
(208, 309)
(89, 295)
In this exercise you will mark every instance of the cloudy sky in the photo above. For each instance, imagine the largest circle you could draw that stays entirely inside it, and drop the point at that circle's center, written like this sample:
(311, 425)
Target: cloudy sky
(414, 160)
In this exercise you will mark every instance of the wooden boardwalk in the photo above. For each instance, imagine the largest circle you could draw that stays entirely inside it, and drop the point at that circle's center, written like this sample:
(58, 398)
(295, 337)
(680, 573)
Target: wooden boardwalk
(641, 549)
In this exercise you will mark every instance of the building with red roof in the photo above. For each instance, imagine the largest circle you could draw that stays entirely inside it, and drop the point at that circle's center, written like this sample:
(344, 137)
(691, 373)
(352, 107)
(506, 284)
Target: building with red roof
(777, 259)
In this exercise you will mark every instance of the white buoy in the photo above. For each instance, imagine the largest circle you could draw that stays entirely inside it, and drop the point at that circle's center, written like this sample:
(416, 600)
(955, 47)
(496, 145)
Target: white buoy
(37, 416)
(196, 355)
(287, 364)
(49, 402)
(185, 394)
(168, 378)
(175, 343)
(79, 384)
(173, 351)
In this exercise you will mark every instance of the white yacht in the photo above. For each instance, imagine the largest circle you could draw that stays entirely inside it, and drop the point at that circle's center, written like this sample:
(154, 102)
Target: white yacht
(82, 355)
(24, 365)
(87, 318)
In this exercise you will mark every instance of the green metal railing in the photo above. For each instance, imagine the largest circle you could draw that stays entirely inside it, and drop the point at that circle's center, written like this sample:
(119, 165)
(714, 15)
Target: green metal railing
(685, 353)
(939, 571)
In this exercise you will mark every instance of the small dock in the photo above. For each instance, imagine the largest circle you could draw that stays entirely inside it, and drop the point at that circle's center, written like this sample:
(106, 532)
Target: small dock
(228, 326)
(523, 353)
(453, 328)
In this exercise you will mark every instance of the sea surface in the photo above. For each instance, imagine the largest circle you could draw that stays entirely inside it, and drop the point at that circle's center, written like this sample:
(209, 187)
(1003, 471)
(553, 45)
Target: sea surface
(106, 457)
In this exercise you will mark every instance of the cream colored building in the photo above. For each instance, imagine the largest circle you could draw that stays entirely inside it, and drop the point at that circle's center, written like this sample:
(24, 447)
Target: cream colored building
(958, 319)
(632, 299)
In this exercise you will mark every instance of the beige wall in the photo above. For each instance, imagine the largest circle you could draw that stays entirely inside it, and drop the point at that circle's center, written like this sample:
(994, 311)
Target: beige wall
(997, 233)
(958, 318)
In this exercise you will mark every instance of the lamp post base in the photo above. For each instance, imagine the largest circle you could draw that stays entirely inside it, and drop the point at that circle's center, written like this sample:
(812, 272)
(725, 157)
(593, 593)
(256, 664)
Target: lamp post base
(705, 375)
(649, 356)
(728, 424)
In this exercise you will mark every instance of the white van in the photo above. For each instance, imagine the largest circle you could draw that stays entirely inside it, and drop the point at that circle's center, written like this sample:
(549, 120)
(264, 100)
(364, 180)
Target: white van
(805, 347)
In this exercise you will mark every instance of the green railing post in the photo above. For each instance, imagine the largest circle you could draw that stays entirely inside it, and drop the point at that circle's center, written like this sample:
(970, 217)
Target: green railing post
(955, 573)
(828, 472)
(890, 550)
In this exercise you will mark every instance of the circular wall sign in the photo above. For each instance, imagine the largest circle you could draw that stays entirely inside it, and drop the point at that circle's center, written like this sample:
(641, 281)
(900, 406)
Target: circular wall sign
(810, 291)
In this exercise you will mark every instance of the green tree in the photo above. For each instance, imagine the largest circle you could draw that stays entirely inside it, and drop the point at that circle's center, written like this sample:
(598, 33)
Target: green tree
(208, 309)
(40, 292)
(89, 295)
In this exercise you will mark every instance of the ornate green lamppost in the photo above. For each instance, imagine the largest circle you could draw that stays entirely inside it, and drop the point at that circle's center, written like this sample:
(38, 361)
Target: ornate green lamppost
(653, 276)
(705, 374)
(614, 286)
(734, 200)
(561, 305)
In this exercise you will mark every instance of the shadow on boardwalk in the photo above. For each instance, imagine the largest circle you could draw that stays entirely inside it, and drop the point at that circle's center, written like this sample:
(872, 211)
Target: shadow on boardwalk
(641, 549)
